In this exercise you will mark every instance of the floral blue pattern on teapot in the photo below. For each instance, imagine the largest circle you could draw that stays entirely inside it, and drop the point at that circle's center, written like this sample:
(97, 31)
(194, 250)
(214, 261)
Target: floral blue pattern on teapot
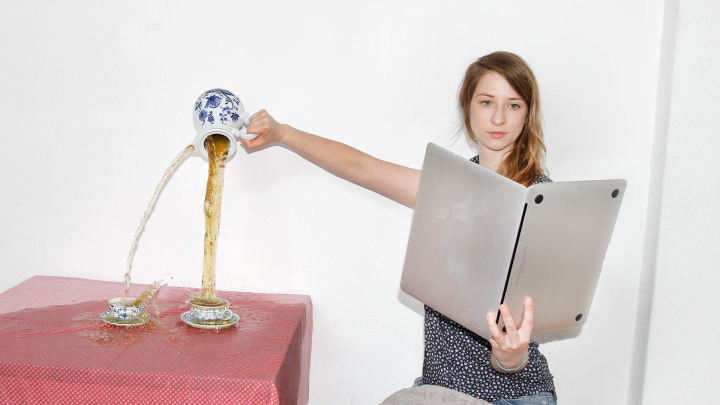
(219, 111)
(218, 98)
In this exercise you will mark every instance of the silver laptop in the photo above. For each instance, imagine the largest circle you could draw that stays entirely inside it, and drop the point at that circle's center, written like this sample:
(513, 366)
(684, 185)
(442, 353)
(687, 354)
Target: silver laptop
(479, 239)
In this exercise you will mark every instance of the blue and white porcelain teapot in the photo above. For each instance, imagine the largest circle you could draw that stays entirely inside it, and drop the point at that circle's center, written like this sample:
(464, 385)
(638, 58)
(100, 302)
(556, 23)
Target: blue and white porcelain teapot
(219, 111)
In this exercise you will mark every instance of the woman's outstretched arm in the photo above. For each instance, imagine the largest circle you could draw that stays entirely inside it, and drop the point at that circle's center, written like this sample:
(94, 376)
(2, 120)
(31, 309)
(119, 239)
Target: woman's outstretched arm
(393, 181)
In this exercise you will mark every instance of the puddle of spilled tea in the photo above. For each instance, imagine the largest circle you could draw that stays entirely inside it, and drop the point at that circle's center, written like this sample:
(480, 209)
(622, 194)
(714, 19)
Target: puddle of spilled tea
(111, 335)
(183, 335)
(251, 320)
(86, 318)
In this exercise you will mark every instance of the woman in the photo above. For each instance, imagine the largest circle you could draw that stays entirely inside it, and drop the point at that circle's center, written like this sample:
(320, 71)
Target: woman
(500, 106)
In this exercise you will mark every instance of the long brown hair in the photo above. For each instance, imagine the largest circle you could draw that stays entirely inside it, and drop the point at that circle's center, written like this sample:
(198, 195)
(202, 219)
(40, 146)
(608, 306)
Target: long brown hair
(524, 162)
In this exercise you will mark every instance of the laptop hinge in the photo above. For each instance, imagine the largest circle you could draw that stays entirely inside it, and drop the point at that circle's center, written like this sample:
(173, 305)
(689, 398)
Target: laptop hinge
(507, 280)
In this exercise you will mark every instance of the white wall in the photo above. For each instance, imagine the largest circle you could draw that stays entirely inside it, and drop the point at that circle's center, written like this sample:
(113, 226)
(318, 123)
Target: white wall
(96, 101)
(679, 325)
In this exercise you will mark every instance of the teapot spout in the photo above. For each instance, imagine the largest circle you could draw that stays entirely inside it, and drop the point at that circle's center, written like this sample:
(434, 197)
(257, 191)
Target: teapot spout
(199, 144)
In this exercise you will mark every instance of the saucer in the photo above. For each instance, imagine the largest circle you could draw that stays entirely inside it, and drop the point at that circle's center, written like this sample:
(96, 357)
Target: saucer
(218, 324)
(108, 318)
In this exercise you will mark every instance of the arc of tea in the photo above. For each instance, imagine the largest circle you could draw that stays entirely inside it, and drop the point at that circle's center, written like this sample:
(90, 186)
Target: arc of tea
(149, 209)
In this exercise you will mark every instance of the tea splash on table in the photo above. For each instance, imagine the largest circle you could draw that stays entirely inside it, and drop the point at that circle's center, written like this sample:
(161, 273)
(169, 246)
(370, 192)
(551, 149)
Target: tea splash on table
(108, 335)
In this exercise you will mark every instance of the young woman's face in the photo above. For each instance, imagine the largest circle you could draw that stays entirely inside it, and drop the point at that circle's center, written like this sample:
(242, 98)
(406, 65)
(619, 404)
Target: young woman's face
(497, 114)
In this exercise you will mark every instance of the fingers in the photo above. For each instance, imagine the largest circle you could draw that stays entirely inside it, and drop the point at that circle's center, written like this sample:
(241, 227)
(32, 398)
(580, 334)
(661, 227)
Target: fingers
(259, 114)
(261, 123)
(509, 348)
(261, 120)
(494, 329)
(528, 317)
(252, 143)
(494, 344)
(507, 319)
(512, 336)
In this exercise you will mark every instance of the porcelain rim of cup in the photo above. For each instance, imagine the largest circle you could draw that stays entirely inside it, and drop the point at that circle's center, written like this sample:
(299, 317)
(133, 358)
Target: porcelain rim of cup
(207, 308)
(125, 302)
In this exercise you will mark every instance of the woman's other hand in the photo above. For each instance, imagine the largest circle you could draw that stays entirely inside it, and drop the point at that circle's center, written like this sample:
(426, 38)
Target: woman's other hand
(510, 349)
(266, 127)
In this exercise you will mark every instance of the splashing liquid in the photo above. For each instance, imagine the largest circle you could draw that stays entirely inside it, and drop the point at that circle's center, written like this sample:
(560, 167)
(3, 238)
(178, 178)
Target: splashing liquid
(217, 147)
(149, 209)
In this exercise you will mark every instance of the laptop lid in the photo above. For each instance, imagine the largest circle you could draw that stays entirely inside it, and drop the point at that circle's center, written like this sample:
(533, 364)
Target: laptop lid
(462, 238)
(563, 239)
(479, 239)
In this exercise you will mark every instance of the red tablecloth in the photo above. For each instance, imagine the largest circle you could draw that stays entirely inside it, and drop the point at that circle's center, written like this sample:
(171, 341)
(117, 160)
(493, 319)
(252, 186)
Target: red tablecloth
(54, 349)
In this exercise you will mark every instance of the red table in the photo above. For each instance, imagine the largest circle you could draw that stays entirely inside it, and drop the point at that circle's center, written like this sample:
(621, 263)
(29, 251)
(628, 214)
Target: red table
(54, 349)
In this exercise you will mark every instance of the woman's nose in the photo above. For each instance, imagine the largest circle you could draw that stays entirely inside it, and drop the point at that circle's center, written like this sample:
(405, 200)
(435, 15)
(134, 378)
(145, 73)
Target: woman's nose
(498, 117)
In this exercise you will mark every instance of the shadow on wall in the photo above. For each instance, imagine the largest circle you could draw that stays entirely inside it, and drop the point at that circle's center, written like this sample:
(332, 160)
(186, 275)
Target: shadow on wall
(410, 302)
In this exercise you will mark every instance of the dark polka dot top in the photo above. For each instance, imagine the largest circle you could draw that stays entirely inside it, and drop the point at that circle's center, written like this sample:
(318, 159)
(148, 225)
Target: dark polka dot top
(457, 358)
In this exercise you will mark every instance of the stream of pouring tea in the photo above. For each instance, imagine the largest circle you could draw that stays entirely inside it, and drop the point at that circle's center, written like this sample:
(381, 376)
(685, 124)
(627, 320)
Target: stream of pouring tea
(149, 209)
(217, 147)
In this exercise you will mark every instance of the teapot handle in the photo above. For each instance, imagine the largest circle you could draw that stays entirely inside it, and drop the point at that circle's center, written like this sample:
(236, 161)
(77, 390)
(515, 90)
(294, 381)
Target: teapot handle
(242, 133)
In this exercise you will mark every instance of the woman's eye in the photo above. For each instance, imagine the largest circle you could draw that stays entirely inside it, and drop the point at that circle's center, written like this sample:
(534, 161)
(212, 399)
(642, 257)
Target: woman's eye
(485, 102)
(515, 106)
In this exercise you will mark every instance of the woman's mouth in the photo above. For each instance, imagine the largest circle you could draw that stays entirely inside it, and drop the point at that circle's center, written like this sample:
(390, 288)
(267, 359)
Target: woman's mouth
(497, 134)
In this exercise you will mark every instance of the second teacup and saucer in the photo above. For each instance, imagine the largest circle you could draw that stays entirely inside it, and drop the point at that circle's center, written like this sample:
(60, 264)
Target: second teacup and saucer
(216, 315)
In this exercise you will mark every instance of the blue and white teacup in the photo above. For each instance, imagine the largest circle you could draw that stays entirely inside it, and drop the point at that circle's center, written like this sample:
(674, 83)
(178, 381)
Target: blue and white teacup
(209, 313)
(219, 111)
(122, 308)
